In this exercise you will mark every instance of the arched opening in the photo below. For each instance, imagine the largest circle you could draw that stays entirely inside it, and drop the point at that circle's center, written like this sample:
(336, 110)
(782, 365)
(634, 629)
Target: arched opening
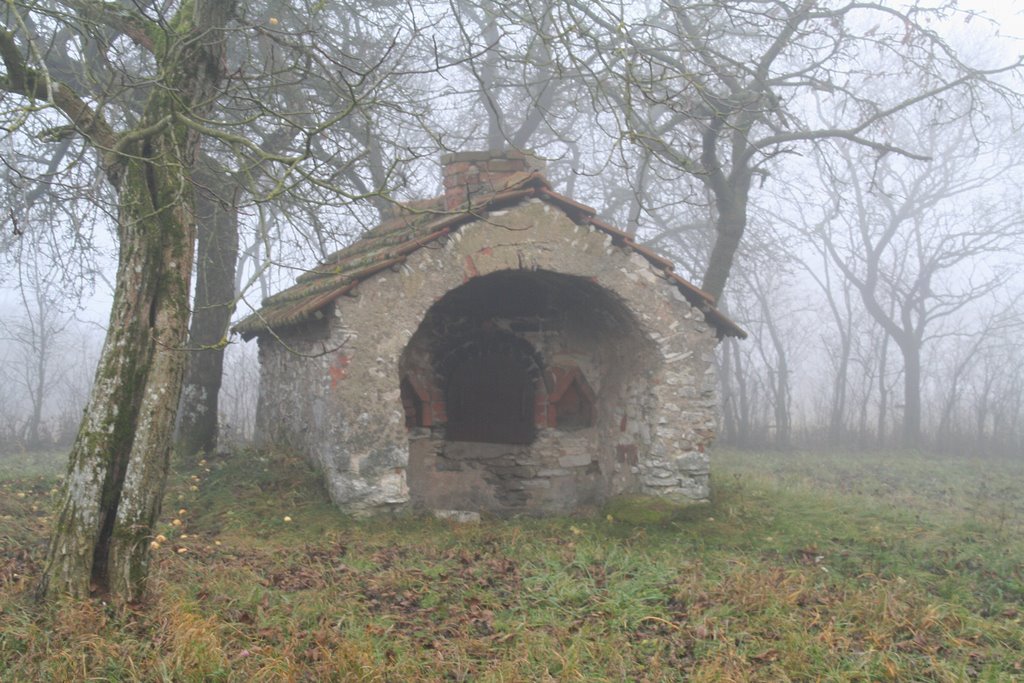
(490, 394)
(527, 382)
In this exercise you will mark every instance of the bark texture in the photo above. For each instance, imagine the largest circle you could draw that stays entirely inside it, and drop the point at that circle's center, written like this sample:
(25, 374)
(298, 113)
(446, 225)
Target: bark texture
(118, 463)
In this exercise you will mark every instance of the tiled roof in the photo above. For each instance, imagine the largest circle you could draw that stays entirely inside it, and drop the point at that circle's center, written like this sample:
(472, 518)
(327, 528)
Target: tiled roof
(418, 224)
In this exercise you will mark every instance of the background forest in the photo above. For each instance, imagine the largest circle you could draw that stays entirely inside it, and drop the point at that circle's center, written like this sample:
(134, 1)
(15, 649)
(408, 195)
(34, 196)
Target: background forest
(846, 178)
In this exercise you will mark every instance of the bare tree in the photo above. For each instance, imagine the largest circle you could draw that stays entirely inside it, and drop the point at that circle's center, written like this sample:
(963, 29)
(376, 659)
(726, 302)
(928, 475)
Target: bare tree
(719, 91)
(916, 245)
(296, 60)
(979, 369)
(36, 336)
(776, 359)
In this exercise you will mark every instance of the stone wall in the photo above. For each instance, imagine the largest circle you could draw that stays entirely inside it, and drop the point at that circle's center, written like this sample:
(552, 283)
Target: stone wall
(335, 392)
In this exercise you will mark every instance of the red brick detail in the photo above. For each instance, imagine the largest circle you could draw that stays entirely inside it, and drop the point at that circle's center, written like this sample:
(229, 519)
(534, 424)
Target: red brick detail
(623, 422)
(454, 198)
(466, 174)
(455, 168)
(540, 406)
(429, 397)
(471, 270)
(561, 378)
(420, 387)
(627, 454)
(337, 369)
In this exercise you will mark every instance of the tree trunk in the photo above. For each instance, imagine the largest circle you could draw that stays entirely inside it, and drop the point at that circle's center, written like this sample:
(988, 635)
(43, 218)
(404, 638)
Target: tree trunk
(731, 202)
(217, 216)
(37, 388)
(862, 424)
(780, 385)
(837, 412)
(38, 394)
(982, 412)
(743, 428)
(883, 392)
(118, 463)
(727, 399)
(783, 419)
(911, 395)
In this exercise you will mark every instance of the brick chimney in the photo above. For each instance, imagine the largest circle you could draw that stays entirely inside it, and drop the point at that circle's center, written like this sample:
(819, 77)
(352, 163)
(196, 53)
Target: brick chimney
(466, 174)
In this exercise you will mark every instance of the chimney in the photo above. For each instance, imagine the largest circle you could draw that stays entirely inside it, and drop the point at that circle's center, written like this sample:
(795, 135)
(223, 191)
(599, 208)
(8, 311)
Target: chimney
(466, 174)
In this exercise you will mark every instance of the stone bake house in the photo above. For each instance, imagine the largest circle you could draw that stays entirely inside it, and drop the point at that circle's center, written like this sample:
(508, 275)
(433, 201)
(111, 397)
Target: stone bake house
(499, 349)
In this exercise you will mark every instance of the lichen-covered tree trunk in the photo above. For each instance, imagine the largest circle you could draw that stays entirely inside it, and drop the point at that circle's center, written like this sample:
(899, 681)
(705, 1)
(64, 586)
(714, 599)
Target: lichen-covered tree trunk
(118, 465)
(217, 216)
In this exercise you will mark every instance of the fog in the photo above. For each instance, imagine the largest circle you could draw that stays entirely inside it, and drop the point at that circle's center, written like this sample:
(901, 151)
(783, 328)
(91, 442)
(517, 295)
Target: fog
(878, 272)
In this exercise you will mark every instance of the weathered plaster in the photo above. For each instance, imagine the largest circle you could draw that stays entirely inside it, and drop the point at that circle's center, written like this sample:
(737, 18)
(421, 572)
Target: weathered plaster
(334, 392)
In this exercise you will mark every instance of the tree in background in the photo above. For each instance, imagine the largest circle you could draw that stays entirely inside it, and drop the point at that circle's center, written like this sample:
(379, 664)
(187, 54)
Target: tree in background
(36, 335)
(915, 244)
(721, 92)
(342, 58)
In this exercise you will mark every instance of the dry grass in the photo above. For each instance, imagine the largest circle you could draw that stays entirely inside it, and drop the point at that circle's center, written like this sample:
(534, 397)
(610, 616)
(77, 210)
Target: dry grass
(804, 567)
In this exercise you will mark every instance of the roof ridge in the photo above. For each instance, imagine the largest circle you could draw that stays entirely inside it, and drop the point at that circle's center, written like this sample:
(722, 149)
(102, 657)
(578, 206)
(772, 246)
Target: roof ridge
(414, 225)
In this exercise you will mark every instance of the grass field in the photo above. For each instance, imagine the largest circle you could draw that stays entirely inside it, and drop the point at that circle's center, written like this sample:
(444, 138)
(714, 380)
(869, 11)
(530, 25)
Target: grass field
(804, 567)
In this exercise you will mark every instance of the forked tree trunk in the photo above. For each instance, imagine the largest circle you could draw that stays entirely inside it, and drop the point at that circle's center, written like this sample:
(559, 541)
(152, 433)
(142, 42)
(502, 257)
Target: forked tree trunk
(118, 464)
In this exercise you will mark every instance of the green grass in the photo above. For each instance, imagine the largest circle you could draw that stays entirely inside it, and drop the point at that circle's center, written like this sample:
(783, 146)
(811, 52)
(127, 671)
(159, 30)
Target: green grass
(803, 567)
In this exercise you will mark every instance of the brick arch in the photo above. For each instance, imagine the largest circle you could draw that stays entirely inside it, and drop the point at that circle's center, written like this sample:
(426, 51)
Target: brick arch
(492, 383)
(520, 388)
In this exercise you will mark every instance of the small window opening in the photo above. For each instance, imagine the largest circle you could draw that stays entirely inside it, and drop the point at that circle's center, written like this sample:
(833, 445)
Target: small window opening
(413, 405)
(571, 401)
(490, 399)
